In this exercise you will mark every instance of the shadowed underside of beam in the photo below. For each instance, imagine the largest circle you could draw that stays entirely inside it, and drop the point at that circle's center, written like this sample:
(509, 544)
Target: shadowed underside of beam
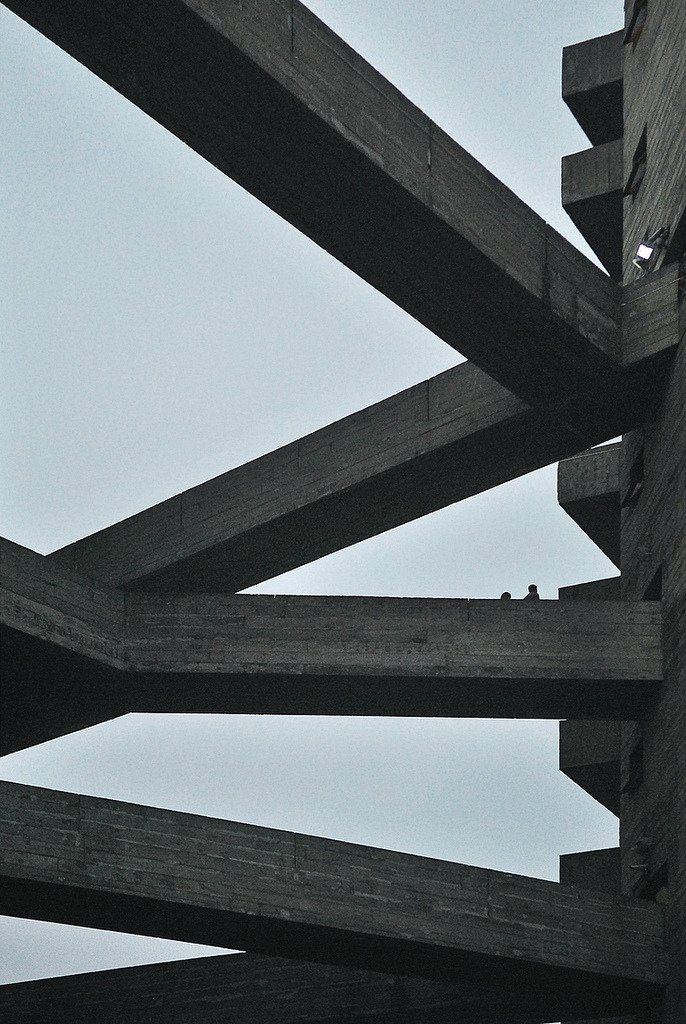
(74, 654)
(590, 755)
(450, 437)
(592, 195)
(242, 989)
(272, 97)
(593, 85)
(106, 864)
(588, 491)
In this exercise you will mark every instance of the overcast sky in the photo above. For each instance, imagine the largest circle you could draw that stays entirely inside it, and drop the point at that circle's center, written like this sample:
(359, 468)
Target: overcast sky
(160, 326)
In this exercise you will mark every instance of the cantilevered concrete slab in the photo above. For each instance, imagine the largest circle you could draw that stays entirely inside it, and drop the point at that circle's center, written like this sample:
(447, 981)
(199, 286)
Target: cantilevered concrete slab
(590, 755)
(244, 988)
(70, 648)
(272, 97)
(588, 491)
(445, 439)
(592, 195)
(102, 863)
(592, 85)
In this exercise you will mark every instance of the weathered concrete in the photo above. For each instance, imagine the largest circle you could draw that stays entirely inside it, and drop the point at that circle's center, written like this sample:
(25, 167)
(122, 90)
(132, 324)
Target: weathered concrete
(601, 870)
(592, 83)
(60, 650)
(592, 195)
(653, 473)
(655, 101)
(243, 989)
(590, 756)
(102, 863)
(651, 324)
(85, 654)
(588, 491)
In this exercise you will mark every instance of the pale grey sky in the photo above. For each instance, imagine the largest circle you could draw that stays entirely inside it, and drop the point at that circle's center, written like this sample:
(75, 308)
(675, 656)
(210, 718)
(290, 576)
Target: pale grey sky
(160, 326)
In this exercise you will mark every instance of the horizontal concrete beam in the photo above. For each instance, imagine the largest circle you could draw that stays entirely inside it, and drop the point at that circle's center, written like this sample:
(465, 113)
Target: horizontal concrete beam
(588, 491)
(443, 440)
(218, 653)
(592, 85)
(590, 755)
(592, 195)
(243, 988)
(397, 656)
(592, 869)
(106, 864)
(273, 98)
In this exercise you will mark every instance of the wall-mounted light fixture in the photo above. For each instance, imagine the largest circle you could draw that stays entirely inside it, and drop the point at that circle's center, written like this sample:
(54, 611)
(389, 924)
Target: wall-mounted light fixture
(650, 247)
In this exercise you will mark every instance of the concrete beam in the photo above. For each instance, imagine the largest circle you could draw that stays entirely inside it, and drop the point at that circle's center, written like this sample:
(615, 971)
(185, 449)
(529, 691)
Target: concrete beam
(273, 98)
(106, 864)
(256, 654)
(395, 656)
(243, 988)
(592, 85)
(60, 655)
(590, 755)
(588, 491)
(443, 440)
(592, 195)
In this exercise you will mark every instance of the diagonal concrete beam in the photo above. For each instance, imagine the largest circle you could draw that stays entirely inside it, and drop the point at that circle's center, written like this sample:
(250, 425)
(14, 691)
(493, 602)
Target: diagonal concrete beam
(443, 440)
(73, 654)
(243, 988)
(272, 97)
(106, 864)
(588, 491)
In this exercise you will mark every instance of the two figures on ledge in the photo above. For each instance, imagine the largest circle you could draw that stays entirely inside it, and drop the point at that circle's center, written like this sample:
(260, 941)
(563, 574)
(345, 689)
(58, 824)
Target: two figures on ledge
(532, 595)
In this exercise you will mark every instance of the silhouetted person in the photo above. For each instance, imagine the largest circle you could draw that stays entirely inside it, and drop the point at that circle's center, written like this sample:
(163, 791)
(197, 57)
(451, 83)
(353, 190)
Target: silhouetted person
(506, 596)
(533, 593)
